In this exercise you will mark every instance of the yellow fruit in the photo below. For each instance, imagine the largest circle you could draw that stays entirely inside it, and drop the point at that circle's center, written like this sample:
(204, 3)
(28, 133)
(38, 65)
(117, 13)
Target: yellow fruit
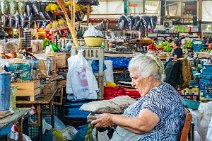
(67, 3)
(77, 7)
(49, 26)
(61, 22)
(54, 7)
(55, 24)
(48, 7)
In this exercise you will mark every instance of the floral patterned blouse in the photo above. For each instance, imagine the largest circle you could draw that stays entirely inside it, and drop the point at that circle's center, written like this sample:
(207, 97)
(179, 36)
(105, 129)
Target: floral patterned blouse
(167, 104)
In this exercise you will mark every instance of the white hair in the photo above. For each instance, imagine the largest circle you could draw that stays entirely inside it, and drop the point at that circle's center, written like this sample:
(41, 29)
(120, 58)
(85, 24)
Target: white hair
(147, 65)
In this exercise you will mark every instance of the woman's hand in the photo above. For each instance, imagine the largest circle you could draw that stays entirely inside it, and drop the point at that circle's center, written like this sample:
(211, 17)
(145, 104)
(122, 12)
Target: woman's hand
(103, 120)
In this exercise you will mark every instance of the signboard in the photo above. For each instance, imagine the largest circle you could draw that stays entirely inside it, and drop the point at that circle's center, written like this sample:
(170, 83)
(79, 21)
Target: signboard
(133, 5)
(190, 8)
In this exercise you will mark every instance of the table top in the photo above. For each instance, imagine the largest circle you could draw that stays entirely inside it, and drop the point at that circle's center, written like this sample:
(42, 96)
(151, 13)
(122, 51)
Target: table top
(41, 99)
(18, 113)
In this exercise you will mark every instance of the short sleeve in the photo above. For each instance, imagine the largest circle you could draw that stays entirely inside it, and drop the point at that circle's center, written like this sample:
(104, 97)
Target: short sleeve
(156, 105)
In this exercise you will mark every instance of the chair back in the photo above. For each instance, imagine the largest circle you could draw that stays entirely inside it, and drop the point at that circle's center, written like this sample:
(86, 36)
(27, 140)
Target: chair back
(186, 126)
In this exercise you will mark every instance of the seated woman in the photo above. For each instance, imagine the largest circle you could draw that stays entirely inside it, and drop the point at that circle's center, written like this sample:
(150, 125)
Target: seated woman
(157, 116)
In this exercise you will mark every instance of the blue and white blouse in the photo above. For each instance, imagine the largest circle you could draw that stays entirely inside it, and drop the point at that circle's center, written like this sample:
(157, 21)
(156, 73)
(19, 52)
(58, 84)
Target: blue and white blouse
(168, 105)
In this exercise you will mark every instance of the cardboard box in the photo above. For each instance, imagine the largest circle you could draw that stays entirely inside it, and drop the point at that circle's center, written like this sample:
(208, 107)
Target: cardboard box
(61, 59)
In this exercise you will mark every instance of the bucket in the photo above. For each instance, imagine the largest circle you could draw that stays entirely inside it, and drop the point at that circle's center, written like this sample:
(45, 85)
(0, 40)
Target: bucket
(5, 79)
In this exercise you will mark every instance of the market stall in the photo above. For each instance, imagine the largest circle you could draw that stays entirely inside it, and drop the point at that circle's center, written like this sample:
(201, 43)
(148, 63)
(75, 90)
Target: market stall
(68, 61)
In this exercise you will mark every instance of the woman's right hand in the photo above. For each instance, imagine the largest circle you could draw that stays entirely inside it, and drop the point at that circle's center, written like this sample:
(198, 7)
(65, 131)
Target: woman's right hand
(103, 120)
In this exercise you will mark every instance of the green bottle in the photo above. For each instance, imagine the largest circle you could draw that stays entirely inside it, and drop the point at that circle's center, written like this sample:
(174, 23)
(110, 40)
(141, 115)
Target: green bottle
(54, 47)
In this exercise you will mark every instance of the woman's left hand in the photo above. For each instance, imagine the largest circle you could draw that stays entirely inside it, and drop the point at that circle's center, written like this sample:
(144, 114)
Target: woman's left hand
(103, 120)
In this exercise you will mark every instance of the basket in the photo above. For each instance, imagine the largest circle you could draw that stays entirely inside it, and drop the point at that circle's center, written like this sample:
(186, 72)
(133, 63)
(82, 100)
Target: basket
(93, 41)
(191, 104)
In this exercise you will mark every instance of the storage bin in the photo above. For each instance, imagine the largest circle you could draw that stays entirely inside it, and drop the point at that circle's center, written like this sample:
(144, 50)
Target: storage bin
(207, 69)
(205, 94)
(205, 84)
(191, 104)
(73, 109)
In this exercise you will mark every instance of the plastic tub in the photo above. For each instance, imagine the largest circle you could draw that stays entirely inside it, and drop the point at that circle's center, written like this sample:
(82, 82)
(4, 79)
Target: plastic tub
(191, 104)
(93, 41)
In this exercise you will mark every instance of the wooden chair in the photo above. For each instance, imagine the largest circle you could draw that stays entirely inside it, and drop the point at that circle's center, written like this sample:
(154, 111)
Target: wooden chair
(186, 126)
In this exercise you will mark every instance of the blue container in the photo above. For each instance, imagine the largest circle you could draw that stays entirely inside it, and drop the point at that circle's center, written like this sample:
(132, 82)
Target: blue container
(5, 79)
(73, 110)
(205, 84)
(191, 104)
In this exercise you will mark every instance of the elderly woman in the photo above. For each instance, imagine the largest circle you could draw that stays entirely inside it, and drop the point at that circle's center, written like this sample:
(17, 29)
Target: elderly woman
(157, 116)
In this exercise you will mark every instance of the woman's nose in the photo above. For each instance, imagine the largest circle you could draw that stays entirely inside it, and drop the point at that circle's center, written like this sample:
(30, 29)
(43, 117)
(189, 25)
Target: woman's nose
(133, 84)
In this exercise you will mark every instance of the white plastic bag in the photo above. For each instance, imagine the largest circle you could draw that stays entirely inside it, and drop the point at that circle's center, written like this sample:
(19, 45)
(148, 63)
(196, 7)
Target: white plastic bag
(206, 111)
(81, 81)
(197, 136)
(209, 133)
(26, 138)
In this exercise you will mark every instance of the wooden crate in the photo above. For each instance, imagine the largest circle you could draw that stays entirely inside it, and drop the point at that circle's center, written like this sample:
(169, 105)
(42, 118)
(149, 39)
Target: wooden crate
(28, 89)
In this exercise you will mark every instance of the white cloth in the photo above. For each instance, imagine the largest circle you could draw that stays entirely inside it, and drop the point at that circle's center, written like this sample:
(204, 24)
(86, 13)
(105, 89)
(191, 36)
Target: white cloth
(81, 81)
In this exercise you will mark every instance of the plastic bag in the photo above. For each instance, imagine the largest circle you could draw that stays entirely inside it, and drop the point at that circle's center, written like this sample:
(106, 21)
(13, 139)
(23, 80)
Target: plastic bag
(130, 21)
(197, 136)
(137, 22)
(122, 22)
(80, 78)
(206, 112)
(4, 7)
(21, 8)
(69, 132)
(209, 133)
(46, 126)
(13, 7)
(26, 138)
(58, 124)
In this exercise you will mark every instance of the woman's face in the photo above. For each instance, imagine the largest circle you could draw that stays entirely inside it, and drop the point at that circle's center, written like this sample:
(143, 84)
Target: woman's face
(174, 45)
(138, 82)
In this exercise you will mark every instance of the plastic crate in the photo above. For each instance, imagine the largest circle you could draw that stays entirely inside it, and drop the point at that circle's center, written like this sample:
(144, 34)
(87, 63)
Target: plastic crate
(207, 70)
(205, 84)
(119, 62)
(73, 109)
(206, 76)
(190, 91)
(205, 94)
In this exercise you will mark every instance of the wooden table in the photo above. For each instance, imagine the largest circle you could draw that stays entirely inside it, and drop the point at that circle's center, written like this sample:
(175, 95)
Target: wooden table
(40, 101)
(17, 116)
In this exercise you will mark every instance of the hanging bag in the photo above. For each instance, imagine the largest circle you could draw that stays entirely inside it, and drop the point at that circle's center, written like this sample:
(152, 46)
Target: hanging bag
(81, 81)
